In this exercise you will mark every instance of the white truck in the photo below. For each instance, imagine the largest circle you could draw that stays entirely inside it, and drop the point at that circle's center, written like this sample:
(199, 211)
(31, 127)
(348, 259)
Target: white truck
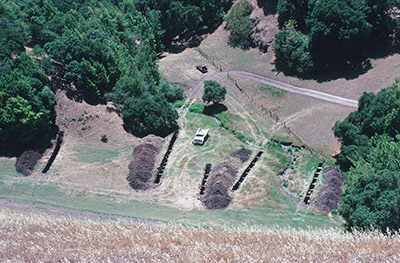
(200, 136)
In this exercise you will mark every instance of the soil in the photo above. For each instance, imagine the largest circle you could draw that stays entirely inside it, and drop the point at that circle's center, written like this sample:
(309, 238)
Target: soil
(330, 193)
(26, 162)
(142, 166)
(221, 179)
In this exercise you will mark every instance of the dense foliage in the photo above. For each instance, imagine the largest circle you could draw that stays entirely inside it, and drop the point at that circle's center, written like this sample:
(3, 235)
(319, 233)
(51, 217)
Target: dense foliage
(240, 25)
(292, 51)
(26, 103)
(370, 152)
(376, 114)
(339, 33)
(107, 50)
(213, 92)
(372, 200)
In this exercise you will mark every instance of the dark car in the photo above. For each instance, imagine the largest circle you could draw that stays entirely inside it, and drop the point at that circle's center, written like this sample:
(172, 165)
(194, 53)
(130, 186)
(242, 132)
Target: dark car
(202, 68)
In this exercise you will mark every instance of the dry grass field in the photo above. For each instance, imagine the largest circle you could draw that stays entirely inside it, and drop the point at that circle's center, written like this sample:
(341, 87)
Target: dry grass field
(27, 237)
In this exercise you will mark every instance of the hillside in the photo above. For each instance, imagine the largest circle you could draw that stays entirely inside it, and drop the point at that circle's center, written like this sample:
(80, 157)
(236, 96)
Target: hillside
(27, 237)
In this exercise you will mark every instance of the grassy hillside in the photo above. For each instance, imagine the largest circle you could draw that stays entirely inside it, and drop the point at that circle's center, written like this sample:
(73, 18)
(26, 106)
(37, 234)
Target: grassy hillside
(31, 237)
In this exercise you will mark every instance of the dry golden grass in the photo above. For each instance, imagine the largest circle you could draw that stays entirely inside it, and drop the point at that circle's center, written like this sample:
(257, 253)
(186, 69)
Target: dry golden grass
(26, 237)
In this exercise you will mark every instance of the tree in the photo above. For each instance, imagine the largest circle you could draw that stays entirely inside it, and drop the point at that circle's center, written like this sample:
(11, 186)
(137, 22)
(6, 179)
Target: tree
(213, 92)
(292, 51)
(337, 32)
(292, 10)
(149, 115)
(240, 25)
(372, 199)
(376, 114)
(26, 104)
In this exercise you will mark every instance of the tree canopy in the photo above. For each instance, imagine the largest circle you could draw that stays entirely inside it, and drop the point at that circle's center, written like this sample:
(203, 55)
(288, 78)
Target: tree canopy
(107, 50)
(213, 92)
(340, 33)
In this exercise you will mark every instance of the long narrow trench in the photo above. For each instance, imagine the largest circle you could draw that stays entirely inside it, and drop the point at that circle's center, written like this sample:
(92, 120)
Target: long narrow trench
(207, 170)
(246, 171)
(60, 137)
(165, 159)
(310, 191)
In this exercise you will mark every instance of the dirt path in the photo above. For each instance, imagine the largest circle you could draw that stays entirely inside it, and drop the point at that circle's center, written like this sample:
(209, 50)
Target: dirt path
(39, 208)
(198, 85)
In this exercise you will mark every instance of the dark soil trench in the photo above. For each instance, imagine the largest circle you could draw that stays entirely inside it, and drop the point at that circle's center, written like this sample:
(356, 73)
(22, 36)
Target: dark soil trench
(165, 159)
(307, 199)
(60, 137)
(207, 170)
(246, 171)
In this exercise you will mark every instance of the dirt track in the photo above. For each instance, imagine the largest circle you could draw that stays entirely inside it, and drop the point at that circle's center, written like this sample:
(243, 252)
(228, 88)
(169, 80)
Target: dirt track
(275, 83)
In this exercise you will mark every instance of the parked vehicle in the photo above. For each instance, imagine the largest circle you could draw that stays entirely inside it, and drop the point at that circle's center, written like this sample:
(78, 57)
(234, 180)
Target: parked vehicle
(200, 136)
(202, 68)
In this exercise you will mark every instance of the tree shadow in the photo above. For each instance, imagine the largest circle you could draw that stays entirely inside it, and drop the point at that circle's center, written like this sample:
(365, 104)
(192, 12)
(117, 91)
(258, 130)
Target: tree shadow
(214, 109)
(269, 6)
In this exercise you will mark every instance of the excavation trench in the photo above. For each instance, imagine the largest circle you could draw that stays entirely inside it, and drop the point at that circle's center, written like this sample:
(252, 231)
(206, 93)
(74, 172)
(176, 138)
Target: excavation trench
(310, 191)
(160, 169)
(246, 171)
(60, 137)
(207, 170)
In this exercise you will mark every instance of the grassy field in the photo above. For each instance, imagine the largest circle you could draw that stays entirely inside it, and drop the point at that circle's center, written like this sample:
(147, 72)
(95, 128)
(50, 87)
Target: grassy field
(261, 199)
(31, 237)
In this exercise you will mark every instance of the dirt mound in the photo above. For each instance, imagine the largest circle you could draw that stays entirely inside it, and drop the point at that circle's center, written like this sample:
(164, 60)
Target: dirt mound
(221, 179)
(26, 162)
(143, 163)
(331, 191)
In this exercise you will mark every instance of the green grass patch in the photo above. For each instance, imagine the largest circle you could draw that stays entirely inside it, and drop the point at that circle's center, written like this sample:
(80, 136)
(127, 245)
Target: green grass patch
(178, 103)
(7, 167)
(279, 159)
(49, 194)
(273, 92)
(95, 153)
(197, 108)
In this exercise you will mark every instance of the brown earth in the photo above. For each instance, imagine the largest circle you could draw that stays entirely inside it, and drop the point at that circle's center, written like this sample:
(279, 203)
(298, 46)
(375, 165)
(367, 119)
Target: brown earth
(222, 177)
(144, 158)
(330, 192)
(26, 162)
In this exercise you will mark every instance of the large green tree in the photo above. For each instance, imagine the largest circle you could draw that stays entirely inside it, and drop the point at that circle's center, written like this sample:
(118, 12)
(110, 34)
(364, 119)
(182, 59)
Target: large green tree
(338, 33)
(376, 114)
(292, 51)
(26, 104)
(213, 92)
(372, 199)
(240, 25)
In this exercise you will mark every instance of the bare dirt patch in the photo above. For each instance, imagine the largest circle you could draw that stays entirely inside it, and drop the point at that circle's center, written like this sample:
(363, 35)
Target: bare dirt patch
(141, 169)
(222, 177)
(26, 162)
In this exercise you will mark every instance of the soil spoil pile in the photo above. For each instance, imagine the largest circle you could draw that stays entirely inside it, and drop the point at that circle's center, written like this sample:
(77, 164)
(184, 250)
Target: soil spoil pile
(331, 191)
(26, 162)
(222, 177)
(143, 163)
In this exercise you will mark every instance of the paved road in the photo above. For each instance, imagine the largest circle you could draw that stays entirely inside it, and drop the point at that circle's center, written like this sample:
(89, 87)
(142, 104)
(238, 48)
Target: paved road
(274, 83)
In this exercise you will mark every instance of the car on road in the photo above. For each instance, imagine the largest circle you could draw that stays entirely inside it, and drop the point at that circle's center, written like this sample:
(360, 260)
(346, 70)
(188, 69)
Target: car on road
(200, 136)
(202, 68)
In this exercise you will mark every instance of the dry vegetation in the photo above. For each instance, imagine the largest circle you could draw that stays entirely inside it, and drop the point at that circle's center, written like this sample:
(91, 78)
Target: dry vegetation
(28, 237)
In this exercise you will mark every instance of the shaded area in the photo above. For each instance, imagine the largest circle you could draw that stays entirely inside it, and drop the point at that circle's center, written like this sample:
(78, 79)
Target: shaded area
(165, 159)
(269, 6)
(330, 193)
(207, 170)
(246, 171)
(310, 191)
(221, 179)
(144, 158)
(53, 156)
